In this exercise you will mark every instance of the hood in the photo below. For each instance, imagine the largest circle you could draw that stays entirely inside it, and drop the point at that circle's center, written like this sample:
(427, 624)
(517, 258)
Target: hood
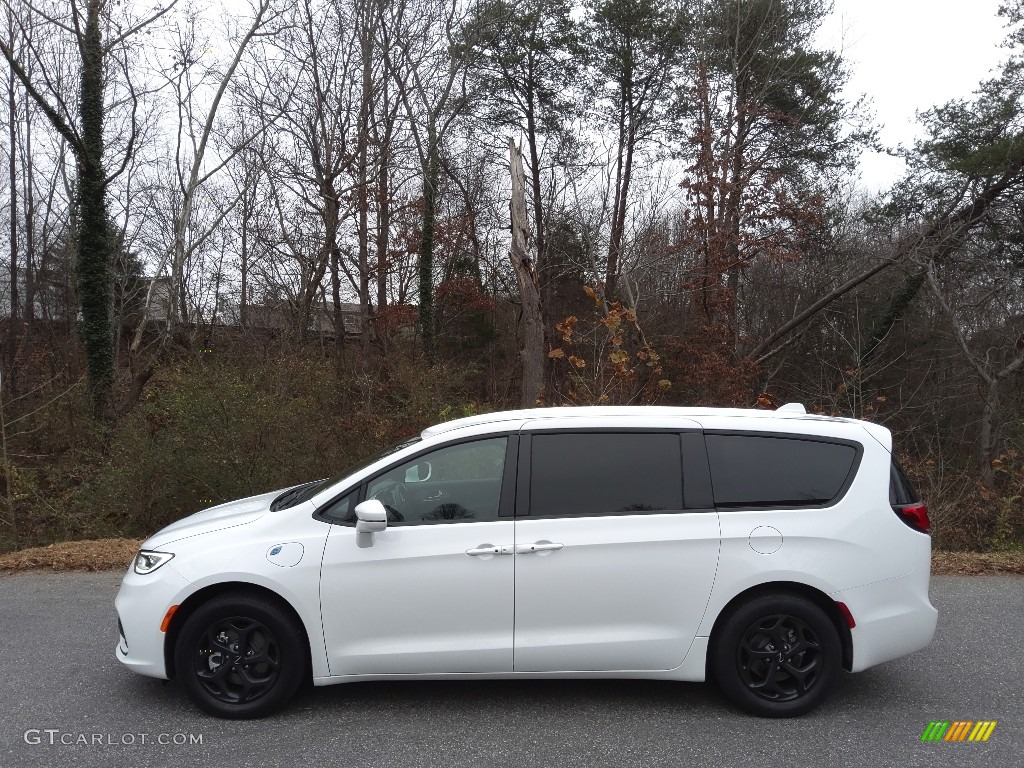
(216, 518)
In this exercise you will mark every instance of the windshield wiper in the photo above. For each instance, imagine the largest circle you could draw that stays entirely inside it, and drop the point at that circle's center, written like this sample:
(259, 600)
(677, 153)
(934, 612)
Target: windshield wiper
(285, 499)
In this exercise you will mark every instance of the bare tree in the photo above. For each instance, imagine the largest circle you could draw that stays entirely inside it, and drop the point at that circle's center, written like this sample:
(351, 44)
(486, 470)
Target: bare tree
(980, 301)
(637, 45)
(192, 170)
(12, 265)
(309, 158)
(429, 71)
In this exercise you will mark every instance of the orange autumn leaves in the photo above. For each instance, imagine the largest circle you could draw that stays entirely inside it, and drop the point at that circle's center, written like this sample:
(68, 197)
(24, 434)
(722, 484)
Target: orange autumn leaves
(623, 367)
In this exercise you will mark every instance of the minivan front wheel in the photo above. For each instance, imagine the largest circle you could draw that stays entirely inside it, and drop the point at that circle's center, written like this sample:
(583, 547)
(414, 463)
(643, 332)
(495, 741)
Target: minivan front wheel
(777, 656)
(240, 656)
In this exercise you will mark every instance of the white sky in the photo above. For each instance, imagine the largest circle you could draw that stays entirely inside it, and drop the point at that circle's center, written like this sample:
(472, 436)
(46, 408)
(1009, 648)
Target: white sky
(909, 55)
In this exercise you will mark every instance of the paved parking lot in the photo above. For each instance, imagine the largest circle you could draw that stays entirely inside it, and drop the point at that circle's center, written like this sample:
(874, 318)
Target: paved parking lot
(61, 683)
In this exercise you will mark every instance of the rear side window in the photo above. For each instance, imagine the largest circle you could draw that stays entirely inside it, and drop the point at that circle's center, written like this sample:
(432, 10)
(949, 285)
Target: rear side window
(602, 474)
(771, 471)
(901, 492)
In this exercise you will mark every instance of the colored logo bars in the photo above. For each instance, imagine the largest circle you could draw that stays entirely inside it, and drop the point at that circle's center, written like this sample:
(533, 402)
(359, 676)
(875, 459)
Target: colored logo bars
(958, 730)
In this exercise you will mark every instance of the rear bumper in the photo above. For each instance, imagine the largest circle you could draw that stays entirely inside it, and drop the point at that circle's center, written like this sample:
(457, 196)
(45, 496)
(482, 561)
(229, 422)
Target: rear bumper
(894, 618)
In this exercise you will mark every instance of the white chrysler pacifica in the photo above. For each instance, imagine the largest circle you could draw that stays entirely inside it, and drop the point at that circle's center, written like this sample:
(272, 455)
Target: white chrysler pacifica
(765, 550)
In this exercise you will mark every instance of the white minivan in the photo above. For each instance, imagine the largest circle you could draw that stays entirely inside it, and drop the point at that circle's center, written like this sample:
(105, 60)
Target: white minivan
(767, 550)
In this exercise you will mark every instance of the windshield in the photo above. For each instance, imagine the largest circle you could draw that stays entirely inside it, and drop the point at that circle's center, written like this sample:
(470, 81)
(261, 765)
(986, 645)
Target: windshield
(297, 495)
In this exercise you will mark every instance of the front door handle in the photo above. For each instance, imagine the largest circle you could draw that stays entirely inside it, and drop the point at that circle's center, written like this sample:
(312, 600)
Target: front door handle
(488, 549)
(538, 546)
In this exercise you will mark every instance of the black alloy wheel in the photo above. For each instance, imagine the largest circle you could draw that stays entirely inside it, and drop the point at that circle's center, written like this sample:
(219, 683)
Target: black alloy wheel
(240, 656)
(777, 655)
(238, 660)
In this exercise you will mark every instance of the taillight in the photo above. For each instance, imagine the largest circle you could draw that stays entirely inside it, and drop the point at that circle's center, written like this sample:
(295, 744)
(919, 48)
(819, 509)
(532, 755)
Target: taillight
(915, 515)
(845, 611)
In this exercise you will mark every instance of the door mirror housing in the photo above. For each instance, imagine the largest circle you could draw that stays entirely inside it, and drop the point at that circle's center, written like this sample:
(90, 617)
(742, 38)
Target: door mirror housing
(371, 517)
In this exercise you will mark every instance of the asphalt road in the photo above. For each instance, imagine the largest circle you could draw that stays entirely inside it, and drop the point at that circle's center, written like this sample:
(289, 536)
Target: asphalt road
(61, 683)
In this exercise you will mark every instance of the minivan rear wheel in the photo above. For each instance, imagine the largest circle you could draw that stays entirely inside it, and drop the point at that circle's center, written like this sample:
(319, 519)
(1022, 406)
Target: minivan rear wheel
(777, 655)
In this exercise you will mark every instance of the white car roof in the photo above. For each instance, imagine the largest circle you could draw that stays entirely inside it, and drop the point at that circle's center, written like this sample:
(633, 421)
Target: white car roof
(789, 412)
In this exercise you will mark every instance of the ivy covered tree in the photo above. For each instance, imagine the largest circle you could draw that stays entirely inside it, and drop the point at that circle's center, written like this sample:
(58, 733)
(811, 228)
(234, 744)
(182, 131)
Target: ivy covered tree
(84, 129)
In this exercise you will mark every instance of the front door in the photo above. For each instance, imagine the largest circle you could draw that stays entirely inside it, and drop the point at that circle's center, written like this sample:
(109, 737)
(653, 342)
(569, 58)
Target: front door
(429, 595)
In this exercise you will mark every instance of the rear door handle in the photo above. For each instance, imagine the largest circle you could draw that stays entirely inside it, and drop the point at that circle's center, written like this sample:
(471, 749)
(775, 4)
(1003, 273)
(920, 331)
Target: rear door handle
(538, 546)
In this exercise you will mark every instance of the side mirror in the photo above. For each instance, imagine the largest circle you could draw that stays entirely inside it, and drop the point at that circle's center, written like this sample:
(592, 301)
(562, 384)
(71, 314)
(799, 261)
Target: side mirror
(371, 517)
(419, 473)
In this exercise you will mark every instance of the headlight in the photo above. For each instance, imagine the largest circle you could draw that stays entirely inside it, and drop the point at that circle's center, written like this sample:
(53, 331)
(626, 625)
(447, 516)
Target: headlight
(147, 561)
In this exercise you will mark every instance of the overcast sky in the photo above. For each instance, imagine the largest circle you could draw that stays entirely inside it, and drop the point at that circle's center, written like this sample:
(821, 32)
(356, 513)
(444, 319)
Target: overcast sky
(909, 55)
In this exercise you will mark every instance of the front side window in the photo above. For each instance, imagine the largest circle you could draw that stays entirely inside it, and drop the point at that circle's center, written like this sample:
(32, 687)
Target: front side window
(341, 510)
(769, 471)
(608, 473)
(455, 484)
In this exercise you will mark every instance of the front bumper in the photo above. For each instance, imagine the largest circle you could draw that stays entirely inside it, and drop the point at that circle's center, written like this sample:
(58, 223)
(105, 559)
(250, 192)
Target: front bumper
(141, 603)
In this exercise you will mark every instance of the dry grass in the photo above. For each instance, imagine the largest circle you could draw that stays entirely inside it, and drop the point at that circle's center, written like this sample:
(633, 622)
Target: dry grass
(976, 563)
(94, 555)
(116, 554)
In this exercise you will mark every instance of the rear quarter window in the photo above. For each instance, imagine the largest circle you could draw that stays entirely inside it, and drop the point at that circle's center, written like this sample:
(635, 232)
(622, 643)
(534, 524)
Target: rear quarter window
(778, 471)
(901, 492)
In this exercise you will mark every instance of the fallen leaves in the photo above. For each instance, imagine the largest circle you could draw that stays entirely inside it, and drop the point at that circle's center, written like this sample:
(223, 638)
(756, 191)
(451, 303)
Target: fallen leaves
(90, 555)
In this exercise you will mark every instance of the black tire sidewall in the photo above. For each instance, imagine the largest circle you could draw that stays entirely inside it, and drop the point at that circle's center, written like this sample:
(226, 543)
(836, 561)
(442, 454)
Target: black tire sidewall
(289, 640)
(724, 663)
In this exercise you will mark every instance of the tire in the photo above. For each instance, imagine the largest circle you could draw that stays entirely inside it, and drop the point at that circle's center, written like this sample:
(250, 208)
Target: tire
(240, 656)
(777, 655)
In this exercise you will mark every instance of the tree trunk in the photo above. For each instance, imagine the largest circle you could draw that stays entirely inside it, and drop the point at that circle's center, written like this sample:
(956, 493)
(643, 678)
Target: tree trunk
(540, 262)
(339, 317)
(988, 440)
(30, 204)
(895, 310)
(623, 177)
(383, 207)
(243, 301)
(529, 287)
(332, 220)
(12, 327)
(383, 229)
(732, 217)
(426, 256)
(366, 49)
(93, 269)
(539, 234)
(706, 201)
